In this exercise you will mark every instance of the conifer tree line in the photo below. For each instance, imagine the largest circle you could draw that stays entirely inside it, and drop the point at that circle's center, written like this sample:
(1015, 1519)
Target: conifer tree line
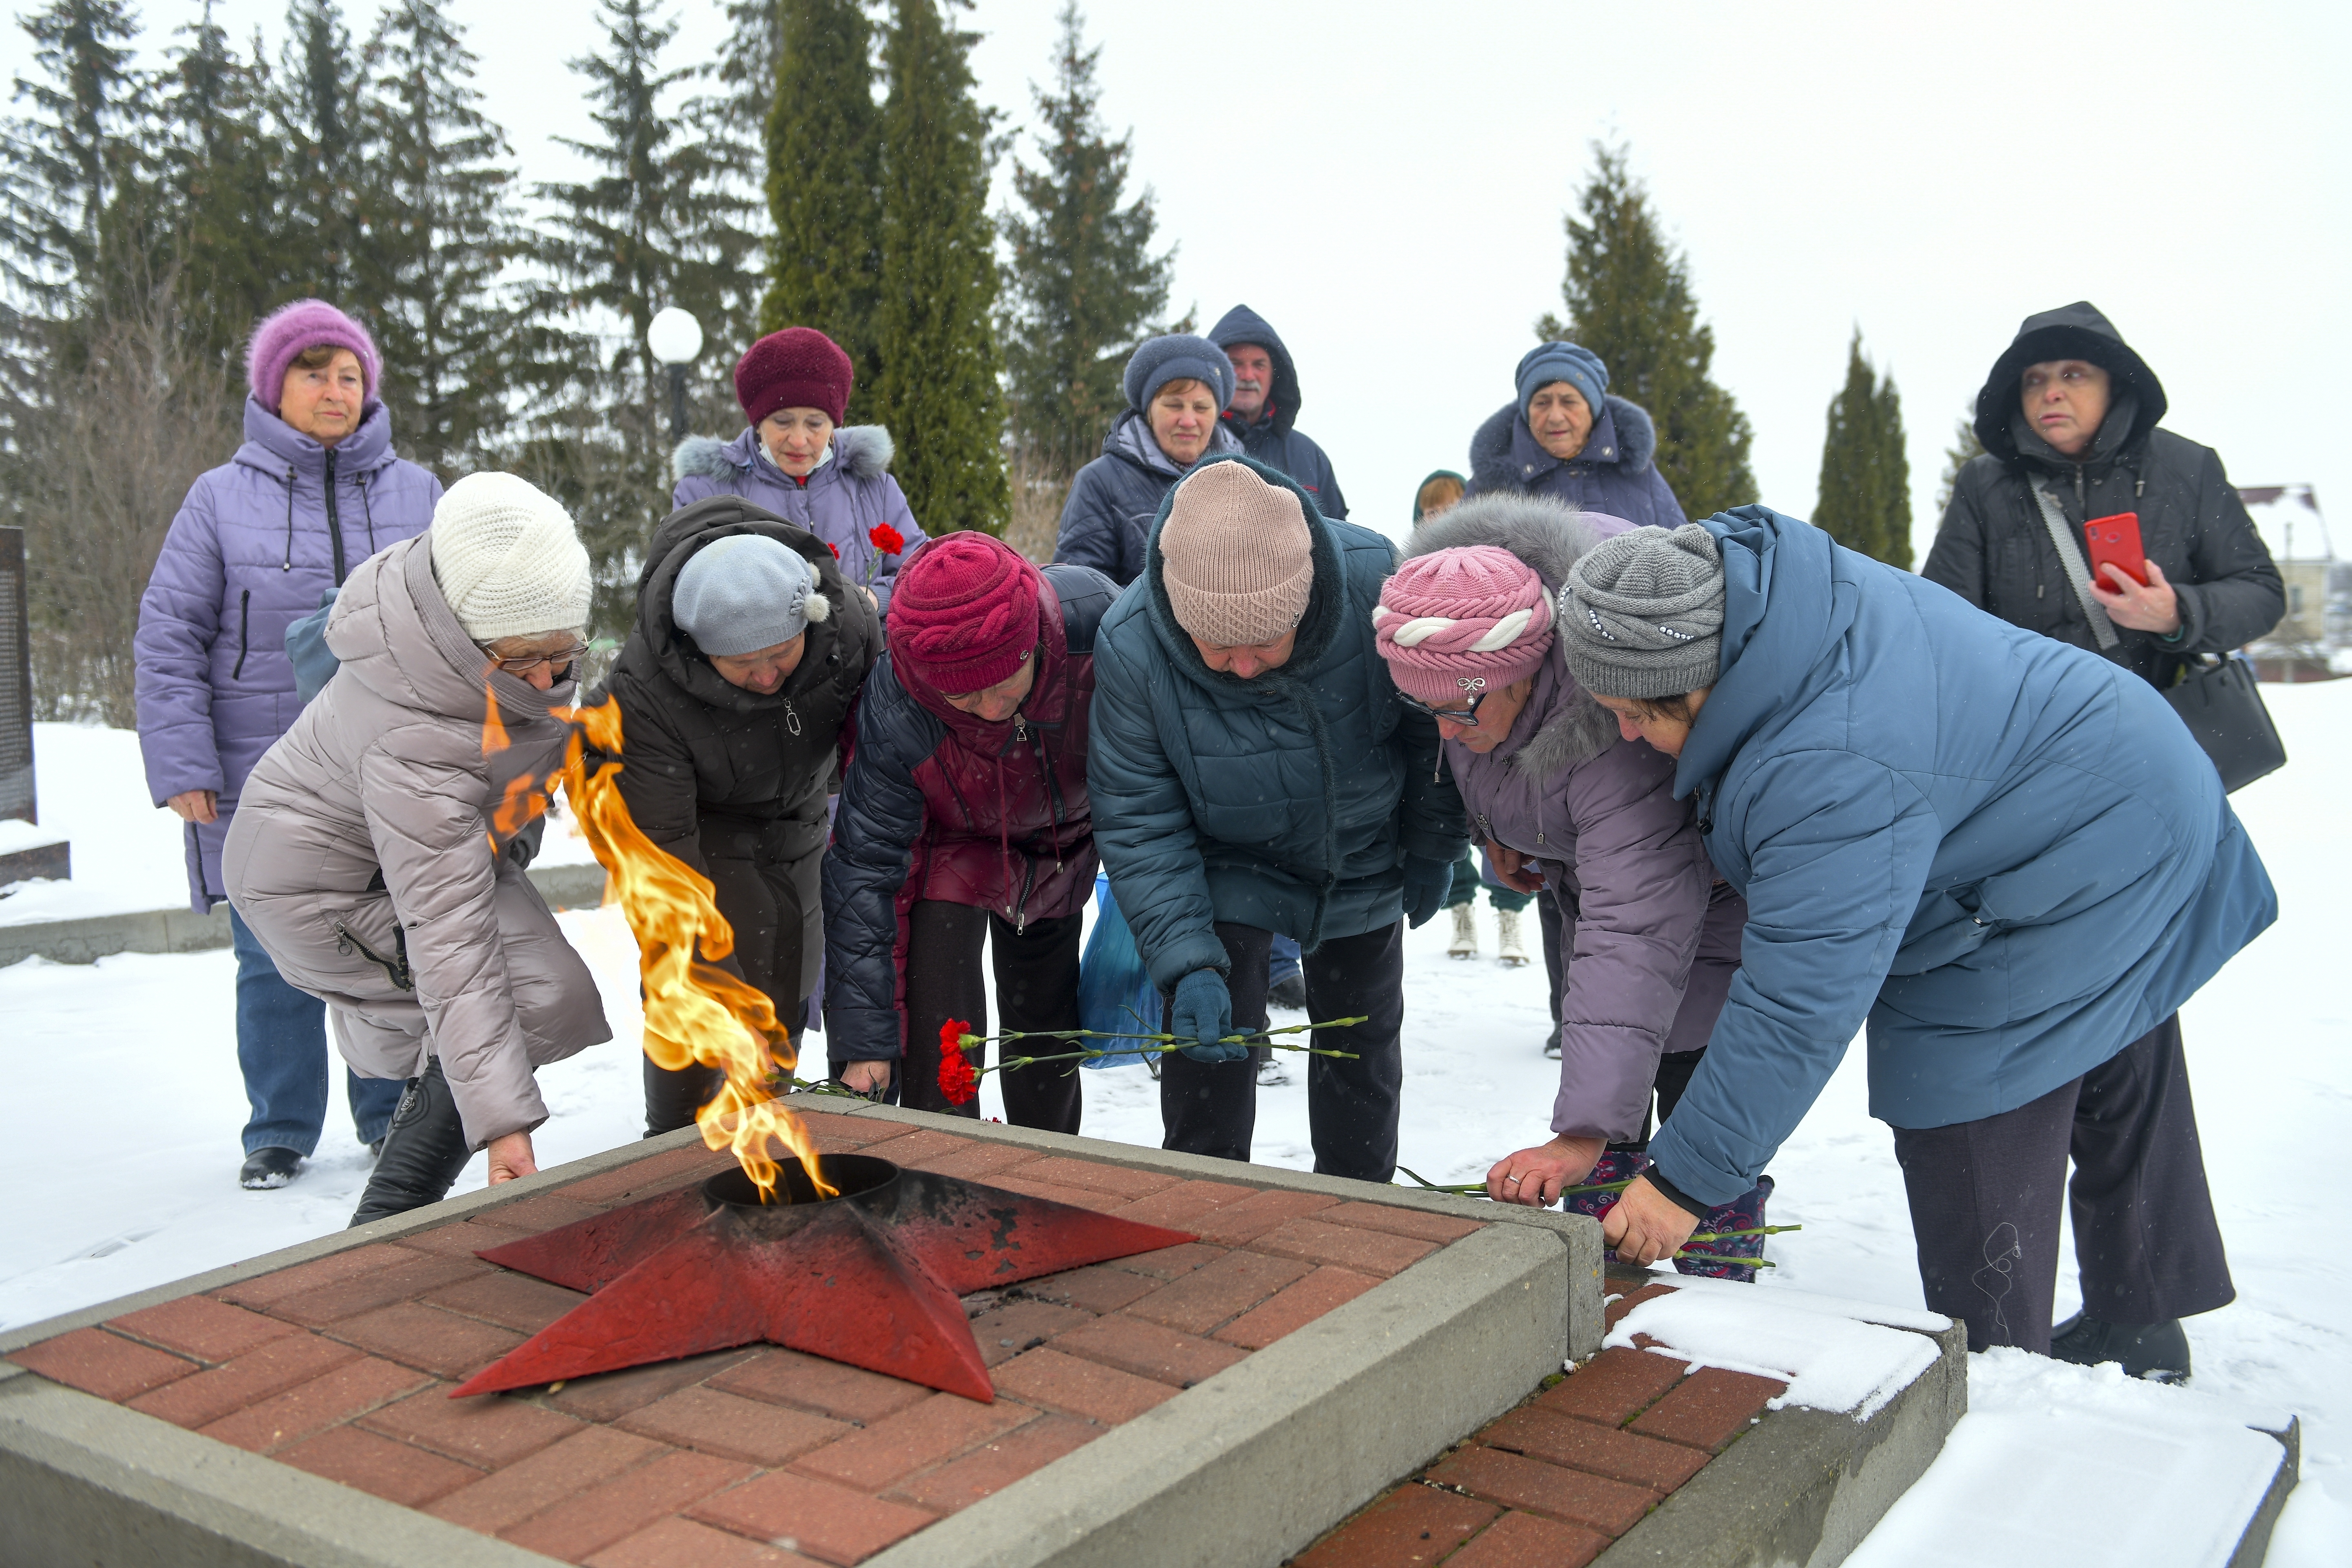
(1864, 498)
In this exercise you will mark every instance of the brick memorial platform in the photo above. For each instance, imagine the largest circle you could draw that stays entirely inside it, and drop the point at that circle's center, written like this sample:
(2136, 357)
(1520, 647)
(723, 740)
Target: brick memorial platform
(337, 1369)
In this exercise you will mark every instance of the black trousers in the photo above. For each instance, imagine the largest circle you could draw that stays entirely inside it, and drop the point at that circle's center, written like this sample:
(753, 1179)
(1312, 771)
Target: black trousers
(1037, 988)
(1984, 1202)
(771, 905)
(1211, 1108)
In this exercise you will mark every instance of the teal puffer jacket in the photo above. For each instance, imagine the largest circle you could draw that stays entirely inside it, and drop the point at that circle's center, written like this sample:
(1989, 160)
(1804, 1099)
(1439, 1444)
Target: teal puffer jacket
(1286, 802)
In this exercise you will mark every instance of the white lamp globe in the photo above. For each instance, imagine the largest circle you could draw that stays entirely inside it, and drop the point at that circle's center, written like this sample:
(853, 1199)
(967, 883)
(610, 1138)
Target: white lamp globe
(675, 337)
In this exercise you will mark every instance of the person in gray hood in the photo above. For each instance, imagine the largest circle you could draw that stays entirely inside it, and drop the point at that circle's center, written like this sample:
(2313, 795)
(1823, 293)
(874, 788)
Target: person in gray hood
(370, 855)
(1568, 808)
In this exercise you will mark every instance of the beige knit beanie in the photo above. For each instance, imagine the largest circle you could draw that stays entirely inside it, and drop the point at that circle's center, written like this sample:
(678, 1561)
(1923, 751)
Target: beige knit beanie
(508, 559)
(1240, 561)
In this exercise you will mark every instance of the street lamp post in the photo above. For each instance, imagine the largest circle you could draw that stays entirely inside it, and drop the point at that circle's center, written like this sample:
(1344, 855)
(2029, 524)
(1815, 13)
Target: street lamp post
(676, 339)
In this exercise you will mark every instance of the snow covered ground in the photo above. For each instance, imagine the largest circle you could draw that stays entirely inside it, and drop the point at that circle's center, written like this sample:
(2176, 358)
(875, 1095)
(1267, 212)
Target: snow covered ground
(110, 1191)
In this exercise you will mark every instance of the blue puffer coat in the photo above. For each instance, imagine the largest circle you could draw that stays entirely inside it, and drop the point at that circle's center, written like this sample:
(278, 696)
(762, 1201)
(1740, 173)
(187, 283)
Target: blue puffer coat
(842, 501)
(1615, 473)
(2008, 853)
(1115, 498)
(256, 543)
(1287, 802)
(1273, 437)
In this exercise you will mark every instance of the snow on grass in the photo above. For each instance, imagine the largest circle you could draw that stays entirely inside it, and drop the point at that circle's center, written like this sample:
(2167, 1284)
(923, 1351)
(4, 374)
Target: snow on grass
(122, 1104)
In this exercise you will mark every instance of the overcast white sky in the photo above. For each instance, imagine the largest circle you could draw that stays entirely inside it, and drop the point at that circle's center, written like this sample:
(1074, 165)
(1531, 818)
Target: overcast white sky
(1385, 185)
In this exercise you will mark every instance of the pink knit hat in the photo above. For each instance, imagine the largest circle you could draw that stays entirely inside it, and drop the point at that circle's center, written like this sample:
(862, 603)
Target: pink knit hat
(287, 331)
(964, 612)
(1453, 623)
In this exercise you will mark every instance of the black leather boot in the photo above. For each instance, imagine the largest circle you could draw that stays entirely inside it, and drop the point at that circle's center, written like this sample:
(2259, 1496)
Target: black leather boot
(2157, 1353)
(424, 1150)
(673, 1097)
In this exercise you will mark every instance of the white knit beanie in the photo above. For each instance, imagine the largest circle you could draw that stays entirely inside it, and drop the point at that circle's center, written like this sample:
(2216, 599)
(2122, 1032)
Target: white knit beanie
(508, 559)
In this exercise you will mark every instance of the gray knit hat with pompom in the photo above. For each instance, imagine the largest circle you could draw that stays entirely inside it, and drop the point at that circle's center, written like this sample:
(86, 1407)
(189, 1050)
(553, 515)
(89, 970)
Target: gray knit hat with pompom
(1642, 615)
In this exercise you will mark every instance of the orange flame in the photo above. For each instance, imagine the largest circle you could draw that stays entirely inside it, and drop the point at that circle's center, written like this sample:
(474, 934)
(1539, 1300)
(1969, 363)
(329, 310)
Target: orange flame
(695, 1010)
(494, 728)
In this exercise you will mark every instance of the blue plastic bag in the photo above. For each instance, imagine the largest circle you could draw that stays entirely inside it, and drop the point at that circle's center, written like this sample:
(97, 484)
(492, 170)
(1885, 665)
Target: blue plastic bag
(1115, 992)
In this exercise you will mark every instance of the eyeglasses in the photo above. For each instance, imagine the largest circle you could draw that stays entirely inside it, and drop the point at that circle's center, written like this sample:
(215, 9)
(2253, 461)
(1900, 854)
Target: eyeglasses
(1466, 717)
(527, 663)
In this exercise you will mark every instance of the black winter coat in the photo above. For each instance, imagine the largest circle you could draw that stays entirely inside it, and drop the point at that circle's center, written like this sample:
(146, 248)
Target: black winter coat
(1114, 499)
(1274, 438)
(1994, 549)
(733, 782)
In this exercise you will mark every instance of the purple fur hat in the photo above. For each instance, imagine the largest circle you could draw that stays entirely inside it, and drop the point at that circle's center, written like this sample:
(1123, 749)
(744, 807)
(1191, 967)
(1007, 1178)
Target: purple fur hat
(289, 331)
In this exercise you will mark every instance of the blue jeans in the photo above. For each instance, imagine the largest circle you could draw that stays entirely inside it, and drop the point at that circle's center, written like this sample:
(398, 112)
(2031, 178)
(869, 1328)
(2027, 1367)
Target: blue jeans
(1282, 959)
(281, 1045)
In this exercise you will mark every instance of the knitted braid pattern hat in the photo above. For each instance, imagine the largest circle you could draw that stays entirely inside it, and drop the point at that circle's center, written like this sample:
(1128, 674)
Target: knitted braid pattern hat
(508, 559)
(1239, 563)
(1642, 615)
(1454, 623)
(288, 332)
(964, 612)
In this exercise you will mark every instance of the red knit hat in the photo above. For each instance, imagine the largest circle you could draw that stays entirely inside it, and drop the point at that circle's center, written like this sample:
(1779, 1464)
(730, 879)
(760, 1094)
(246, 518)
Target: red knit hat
(964, 612)
(799, 367)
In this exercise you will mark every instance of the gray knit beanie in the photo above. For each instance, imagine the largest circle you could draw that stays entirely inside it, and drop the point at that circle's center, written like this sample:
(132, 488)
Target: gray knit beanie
(745, 592)
(1642, 615)
(1179, 356)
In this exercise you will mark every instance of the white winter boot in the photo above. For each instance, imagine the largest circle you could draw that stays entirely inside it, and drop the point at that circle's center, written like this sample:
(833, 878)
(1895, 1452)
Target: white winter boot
(1507, 945)
(1465, 933)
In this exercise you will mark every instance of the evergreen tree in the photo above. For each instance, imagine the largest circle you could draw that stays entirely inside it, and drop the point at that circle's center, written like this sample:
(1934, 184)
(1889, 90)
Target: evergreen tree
(1864, 500)
(733, 126)
(939, 387)
(1628, 300)
(442, 231)
(222, 190)
(653, 229)
(319, 102)
(1965, 449)
(60, 165)
(824, 173)
(1083, 283)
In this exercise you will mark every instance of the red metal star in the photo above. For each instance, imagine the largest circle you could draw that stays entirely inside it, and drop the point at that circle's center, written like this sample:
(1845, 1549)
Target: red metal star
(870, 1277)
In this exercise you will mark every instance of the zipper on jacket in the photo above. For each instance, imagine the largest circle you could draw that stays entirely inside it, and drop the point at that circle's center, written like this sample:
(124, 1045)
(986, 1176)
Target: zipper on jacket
(397, 971)
(244, 625)
(334, 523)
(792, 718)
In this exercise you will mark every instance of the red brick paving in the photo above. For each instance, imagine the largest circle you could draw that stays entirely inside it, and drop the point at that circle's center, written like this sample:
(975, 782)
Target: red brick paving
(343, 1366)
(1559, 1477)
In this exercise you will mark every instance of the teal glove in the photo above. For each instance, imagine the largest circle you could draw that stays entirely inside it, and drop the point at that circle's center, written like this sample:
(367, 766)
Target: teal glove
(1204, 1012)
(1426, 883)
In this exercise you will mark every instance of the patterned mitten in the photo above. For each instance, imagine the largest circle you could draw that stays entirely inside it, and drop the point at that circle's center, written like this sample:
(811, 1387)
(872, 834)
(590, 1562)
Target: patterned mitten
(1743, 1213)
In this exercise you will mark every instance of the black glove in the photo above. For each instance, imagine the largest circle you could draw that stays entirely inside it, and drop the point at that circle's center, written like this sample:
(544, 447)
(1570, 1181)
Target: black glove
(1426, 883)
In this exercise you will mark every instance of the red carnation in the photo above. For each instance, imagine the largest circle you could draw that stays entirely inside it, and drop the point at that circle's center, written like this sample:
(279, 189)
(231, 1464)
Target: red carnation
(829, 545)
(886, 538)
(958, 1083)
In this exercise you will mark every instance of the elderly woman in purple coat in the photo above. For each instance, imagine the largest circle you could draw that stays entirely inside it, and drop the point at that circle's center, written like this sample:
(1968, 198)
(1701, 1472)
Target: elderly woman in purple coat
(1567, 809)
(798, 460)
(314, 490)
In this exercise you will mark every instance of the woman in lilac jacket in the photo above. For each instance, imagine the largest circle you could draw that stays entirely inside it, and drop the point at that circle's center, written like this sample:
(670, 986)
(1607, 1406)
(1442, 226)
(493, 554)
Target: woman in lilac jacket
(1564, 805)
(798, 460)
(314, 490)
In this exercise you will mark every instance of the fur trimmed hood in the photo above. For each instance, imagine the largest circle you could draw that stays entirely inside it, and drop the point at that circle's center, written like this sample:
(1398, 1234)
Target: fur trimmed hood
(1550, 536)
(1624, 435)
(864, 452)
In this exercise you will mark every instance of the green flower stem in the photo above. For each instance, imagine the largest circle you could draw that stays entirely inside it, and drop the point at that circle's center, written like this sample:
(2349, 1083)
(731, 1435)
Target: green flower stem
(1261, 1037)
(1475, 1189)
(1088, 1053)
(1732, 1234)
(1735, 1262)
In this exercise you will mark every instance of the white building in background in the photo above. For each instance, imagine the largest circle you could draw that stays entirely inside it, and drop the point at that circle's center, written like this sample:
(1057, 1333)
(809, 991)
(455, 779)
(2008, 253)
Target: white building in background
(2313, 640)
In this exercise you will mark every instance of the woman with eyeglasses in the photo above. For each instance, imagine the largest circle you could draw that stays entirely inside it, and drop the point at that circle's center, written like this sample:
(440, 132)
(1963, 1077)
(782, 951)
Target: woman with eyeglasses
(735, 687)
(314, 490)
(371, 853)
(1570, 812)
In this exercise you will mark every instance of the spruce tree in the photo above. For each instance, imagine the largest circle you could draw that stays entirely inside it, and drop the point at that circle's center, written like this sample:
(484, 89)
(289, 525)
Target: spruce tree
(824, 177)
(61, 163)
(1965, 449)
(442, 232)
(1083, 283)
(732, 124)
(653, 229)
(223, 191)
(1628, 300)
(1864, 500)
(319, 102)
(939, 387)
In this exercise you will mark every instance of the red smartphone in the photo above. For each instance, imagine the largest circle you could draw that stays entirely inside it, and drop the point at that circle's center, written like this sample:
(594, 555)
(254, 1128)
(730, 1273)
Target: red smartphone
(2116, 540)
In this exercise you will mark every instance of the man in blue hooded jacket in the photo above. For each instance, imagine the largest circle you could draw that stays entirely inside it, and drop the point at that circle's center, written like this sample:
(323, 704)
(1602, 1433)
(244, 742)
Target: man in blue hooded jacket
(1252, 771)
(2004, 853)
